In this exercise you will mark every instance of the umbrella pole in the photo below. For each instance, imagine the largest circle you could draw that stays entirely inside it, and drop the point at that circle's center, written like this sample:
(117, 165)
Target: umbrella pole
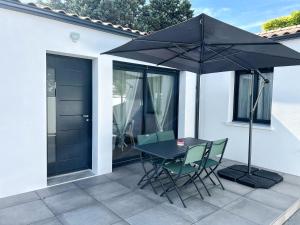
(251, 111)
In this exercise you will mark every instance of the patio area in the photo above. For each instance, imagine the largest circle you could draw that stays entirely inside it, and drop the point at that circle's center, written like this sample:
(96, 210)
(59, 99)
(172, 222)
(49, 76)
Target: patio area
(115, 199)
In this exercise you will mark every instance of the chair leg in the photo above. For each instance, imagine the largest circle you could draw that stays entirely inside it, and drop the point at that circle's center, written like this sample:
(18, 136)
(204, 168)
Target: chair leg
(218, 179)
(192, 180)
(209, 177)
(176, 188)
(164, 191)
(144, 177)
(203, 185)
(148, 177)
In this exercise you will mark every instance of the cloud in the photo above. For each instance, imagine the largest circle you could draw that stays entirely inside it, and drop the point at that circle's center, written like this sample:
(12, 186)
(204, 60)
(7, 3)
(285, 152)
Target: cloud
(210, 11)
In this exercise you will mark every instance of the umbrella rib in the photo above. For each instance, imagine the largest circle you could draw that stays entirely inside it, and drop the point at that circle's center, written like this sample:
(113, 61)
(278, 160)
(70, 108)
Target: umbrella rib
(177, 55)
(168, 42)
(137, 50)
(218, 53)
(183, 56)
(229, 54)
(267, 43)
(228, 59)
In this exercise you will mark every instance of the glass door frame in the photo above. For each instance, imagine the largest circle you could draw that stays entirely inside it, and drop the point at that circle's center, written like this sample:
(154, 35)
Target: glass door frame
(144, 69)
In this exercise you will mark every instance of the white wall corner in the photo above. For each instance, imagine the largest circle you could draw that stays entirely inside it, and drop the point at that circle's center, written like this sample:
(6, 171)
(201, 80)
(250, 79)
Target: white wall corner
(104, 112)
(186, 113)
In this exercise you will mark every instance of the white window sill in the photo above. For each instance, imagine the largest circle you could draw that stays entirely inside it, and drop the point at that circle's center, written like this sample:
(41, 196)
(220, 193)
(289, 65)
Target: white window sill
(246, 125)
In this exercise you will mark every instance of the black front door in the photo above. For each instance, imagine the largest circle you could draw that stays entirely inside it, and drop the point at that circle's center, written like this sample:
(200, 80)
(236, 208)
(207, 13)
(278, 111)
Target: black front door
(69, 106)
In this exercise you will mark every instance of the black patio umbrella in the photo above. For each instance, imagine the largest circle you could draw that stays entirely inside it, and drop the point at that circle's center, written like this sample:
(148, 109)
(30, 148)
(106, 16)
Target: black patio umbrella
(206, 45)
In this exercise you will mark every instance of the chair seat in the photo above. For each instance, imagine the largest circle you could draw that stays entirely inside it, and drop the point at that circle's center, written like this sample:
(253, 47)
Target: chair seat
(209, 163)
(174, 167)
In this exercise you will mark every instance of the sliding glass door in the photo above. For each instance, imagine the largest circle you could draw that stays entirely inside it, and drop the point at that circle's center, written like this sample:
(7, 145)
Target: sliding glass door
(161, 113)
(145, 100)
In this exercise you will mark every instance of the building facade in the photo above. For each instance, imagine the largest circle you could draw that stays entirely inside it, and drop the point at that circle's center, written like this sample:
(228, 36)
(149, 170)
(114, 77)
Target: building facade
(66, 107)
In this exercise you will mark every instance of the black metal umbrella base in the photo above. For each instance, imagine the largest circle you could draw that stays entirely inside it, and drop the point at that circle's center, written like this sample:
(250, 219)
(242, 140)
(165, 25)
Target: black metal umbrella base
(257, 179)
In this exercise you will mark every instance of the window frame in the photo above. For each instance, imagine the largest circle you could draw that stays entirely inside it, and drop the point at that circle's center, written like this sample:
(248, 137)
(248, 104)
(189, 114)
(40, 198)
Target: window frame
(238, 73)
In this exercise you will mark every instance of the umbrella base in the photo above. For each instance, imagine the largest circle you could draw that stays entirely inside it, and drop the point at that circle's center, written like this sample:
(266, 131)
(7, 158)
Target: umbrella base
(257, 179)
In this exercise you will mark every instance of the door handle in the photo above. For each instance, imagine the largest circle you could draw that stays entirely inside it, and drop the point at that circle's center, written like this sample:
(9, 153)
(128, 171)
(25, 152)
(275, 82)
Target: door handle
(85, 116)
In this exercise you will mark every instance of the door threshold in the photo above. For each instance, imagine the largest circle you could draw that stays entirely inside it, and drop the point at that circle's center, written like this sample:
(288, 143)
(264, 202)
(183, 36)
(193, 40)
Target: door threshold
(69, 177)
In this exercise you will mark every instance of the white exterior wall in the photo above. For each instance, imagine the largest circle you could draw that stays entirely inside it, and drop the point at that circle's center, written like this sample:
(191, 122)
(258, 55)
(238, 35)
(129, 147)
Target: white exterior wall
(275, 147)
(24, 41)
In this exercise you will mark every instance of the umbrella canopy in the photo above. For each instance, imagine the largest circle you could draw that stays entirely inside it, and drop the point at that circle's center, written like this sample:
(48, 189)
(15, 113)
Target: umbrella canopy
(206, 45)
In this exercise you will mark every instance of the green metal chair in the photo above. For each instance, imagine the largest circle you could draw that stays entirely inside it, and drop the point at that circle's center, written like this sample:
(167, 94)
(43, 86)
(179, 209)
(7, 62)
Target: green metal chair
(165, 135)
(215, 157)
(147, 139)
(176, 170)
(143, 140)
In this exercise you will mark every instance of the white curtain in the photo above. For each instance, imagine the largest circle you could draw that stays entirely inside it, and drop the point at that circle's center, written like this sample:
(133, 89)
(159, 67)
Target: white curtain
(125, 88)
(265, 101)
(244, 99)
(161, 89)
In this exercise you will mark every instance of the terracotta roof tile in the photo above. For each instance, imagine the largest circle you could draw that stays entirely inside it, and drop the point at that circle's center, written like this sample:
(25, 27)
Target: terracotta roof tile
(281, 32)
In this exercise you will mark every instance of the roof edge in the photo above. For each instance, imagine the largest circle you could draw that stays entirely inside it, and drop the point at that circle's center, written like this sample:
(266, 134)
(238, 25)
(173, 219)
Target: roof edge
(33, 10)
(286, 37)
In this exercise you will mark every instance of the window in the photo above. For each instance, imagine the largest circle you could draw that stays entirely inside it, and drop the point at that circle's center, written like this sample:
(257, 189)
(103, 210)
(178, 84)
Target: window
(262, 113)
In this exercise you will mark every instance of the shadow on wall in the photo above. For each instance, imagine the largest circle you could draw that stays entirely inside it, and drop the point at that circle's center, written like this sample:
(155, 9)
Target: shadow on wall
(286, 121)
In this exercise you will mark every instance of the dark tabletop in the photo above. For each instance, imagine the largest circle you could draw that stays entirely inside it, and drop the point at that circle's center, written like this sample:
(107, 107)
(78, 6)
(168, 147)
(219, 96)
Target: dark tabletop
(169, 149)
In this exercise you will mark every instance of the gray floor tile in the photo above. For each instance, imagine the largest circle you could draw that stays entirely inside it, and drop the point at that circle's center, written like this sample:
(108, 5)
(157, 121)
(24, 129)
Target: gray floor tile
(50, 221)
(107, 190)
(272, 198)
(196, 209)
(46, 192)
(68, 200)
(158, 215)
(220, 197)
(129, 204)
(254, 211)
(235, 187)
(137, 167)
(294, 220)
(288, 189)
(228, 162)
(96, 214)
(292, 179)
(89, 182)
(18, 199)
(119, 172)
(130, 181)
(121, 223)
(223, 217)
(150, 194)
(25, 213)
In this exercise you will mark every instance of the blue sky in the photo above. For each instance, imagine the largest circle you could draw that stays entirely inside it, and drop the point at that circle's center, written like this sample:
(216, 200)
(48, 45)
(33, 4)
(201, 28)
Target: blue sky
(246, 14)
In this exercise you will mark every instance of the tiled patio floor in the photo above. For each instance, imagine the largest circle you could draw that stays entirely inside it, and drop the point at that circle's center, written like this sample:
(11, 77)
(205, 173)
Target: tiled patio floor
(115, 199)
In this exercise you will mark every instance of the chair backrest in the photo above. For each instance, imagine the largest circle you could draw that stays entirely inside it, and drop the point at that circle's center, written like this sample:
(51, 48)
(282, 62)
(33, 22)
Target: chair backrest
(165, 135)
(218, 148)
(195, 153)
(146, 139)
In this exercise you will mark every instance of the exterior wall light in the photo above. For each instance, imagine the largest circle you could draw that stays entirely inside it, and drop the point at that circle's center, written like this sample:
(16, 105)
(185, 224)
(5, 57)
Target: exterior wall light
(74, 36)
